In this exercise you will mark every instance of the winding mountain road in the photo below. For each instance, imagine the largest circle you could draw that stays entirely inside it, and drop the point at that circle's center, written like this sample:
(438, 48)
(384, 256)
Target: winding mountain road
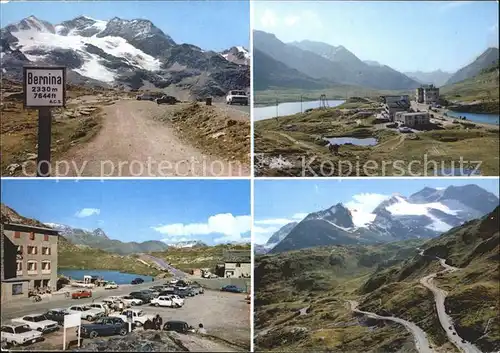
(421, 341)
(439, 297)
(164, 265)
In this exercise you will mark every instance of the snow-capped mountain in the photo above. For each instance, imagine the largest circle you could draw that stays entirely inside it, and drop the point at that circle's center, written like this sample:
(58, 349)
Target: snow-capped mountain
(187, 244)
(238, 55)
(425, 214)
(119, 52)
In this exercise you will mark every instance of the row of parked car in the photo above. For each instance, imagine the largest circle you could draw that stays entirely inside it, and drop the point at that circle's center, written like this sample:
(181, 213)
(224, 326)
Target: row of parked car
(110, 316)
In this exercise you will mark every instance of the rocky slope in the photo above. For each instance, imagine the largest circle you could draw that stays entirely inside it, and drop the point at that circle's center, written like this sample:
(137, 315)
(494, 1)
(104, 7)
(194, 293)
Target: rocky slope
(98, 239)
(425, 214)
(487, 59)
(332, 64)
(120, 53)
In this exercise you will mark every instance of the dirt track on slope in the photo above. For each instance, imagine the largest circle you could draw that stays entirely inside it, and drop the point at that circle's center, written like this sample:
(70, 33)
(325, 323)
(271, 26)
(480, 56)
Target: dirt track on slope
(132, 143)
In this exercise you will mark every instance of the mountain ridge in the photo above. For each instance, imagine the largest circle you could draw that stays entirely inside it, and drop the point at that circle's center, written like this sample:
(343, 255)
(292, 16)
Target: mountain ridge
(119, 53)
(424, 214)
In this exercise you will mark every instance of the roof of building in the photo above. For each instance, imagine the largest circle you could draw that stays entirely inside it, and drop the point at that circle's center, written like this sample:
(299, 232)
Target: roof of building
(18, 226)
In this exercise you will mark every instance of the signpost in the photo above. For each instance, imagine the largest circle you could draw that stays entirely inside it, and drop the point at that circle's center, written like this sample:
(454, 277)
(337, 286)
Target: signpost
(129, 320)
(44, 88)
(72, 320)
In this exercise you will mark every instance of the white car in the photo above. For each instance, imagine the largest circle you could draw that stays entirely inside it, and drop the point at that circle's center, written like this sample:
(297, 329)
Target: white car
(111, 285)
(38, 322)
(177, 300)
(174, 281)
(164, 300)
(87, 313)
(138, 316)
(130, 301)
(100, 305)
(17, 334)
(237, 97)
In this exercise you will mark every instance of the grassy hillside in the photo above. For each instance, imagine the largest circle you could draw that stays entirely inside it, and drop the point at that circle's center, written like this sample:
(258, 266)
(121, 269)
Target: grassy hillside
(482, 89)
(385, 280)
(187, 259)
(82, 257)
(322, 279)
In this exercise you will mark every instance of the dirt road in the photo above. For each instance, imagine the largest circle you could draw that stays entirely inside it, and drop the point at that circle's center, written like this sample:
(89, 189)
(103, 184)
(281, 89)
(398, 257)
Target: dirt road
(132, 143)
(421, 342)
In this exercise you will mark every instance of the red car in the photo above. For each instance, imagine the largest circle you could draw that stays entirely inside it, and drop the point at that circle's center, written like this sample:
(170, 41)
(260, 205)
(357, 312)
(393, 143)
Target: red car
(81, 294)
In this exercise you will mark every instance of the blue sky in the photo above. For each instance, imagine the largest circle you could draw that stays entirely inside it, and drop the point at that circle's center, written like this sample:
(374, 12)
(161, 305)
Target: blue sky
(408, 36)
(278, 202)
(215, 25)
(213, 211)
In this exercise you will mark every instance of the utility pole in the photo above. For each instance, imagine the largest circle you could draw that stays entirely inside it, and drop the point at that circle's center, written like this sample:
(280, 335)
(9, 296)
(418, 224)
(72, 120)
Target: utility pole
(301, 111)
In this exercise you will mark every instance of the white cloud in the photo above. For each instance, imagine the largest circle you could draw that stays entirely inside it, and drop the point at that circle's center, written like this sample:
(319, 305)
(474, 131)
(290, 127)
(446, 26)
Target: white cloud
(291, 20)
(299, 216)
(87, 212)
(362, 206)
(278, 221)
(231, 227)
(264, 228)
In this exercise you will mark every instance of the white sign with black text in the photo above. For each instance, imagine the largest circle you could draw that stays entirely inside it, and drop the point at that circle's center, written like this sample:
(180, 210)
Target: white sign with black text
(44, 87)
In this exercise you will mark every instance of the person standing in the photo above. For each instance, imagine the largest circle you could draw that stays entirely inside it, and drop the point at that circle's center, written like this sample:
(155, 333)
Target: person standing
(120, 306)
(201, 329)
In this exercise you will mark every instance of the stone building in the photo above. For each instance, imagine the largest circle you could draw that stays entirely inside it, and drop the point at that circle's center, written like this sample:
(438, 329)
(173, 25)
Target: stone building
(29, 259)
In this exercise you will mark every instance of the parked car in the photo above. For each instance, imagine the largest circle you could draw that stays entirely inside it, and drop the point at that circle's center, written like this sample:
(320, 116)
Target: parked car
(163, 300)
(105, 326)
(17, 334)
(131, 301)
(174, 281)
(151, 293)
(138, 316)
(101, 305)
(146, 298)
(87, 313)
(111, 285)
(232, 289)
(167, 292)
(237, 97)
(57, 315)
(166, 100)
(38, 322)
(404, 129)
(177, 300)
(114, 304)
(183, 293)
(137, 281)
(81, 294)
(177, 326)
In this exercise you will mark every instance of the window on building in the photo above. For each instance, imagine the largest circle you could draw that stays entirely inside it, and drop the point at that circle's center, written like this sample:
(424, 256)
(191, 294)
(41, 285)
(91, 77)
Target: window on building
(238, 264)
(46, 265)
(31, 265)
(19, 266)
(17, 235)
(45, 250)
(45, 237)
(17, 289)
(32, 236)
(32, 250)
(20, 249)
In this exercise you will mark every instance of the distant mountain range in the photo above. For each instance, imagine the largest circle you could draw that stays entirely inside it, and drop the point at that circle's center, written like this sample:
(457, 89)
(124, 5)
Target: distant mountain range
(120, 53)
(316, 65)
(336, 65)
(97, 238)
(188, 244)
(438, 78)
(425, 214)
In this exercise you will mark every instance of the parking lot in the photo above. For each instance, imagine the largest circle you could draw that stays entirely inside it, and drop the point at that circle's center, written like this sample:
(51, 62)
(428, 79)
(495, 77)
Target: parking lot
(224, 315)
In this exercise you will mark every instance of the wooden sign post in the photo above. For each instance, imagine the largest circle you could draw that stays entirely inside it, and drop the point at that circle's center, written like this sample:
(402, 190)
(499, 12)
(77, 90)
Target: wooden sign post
(44, 88)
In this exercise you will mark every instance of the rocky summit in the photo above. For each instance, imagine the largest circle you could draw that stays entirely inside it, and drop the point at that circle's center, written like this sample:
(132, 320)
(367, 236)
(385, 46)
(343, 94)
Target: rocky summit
(119, 53)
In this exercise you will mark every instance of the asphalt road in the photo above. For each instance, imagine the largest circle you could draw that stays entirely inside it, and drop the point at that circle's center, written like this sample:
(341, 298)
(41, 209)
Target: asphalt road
(165, 266)
(421, 342)
(445, 320)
